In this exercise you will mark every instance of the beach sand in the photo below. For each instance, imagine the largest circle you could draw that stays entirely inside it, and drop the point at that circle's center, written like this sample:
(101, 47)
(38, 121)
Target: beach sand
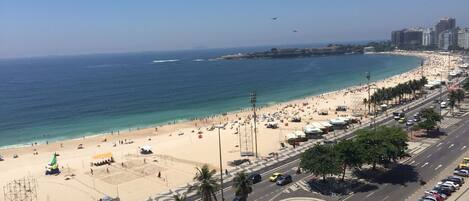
(179, 148)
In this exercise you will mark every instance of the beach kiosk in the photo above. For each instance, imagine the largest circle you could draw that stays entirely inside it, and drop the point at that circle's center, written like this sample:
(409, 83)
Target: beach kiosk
(53, 167)
(102, 159)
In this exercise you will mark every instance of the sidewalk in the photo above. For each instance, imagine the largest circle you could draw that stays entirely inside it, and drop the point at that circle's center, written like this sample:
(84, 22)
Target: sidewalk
(293, 152)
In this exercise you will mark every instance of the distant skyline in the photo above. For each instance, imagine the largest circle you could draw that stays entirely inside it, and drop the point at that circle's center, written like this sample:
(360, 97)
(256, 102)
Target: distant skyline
(56, 27)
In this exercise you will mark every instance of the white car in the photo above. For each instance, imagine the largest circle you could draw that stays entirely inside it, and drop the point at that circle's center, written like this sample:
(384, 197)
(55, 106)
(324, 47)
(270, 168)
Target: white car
(449, 183)
(443, 104)
(462, 172)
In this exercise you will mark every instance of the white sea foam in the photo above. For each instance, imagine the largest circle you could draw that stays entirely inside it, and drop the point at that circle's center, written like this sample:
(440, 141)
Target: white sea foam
(165, 60)
(199, 60)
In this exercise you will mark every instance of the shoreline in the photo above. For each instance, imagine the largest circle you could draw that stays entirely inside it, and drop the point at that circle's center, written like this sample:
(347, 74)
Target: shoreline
(179, 148)
(136, 128)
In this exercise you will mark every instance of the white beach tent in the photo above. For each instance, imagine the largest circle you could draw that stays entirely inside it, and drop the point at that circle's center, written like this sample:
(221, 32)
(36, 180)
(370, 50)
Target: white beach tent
(318, 125)
(146, 149)
(337, 122)
(311, 129)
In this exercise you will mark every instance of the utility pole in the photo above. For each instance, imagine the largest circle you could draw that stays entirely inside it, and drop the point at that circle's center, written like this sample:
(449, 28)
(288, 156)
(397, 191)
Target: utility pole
(253, 102)
(369, 93)
(421, 68)
(221, 167)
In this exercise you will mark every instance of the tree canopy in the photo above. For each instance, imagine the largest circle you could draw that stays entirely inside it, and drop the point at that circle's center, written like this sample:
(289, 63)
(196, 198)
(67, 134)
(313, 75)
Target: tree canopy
(431, 119)
(321, 160)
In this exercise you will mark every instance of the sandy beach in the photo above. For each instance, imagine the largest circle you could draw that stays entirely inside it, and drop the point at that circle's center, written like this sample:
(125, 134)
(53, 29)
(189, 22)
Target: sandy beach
(178, 148)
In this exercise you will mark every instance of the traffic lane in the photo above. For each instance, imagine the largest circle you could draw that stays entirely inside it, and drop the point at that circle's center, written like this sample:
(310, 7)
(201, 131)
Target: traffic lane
(439, 154)
(229, 191)
(265, 185)
(431, 165)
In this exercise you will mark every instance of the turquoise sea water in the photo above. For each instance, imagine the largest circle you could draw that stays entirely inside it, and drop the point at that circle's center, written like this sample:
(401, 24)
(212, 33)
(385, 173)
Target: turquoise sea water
(64, 97)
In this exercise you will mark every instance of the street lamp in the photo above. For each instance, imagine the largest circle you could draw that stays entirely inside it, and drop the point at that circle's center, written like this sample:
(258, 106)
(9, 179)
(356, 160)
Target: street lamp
(253, 102)
(221, 166)
(368, 76)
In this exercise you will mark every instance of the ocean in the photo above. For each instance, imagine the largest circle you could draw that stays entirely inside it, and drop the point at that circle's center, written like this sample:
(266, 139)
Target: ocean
(63, 97)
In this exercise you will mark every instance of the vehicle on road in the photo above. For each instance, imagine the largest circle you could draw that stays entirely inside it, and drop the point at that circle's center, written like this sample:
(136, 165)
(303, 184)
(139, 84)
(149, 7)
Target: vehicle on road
(255, 178)
(275, 176)
(402, 120)
(409, 122)
(461, 172)
(445, 191)
(443, 104)
(284, 180)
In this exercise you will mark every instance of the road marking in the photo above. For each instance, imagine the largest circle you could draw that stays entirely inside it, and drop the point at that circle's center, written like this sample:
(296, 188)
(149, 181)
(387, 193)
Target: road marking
(425, 164)
(385, 198)
(439, 144)
(370, 194)
(437, 167)
(450, 146)
(439, 149)
(429, 155)
(411, 162)
(463, 147)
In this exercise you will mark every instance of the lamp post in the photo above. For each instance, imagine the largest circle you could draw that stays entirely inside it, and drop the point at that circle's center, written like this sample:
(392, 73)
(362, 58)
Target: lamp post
(221, 166)
(253, 102)
(369, 94)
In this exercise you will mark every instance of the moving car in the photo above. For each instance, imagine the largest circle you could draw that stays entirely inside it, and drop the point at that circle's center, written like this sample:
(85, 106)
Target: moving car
(443, 104)
(284, 180)
(275, 176)
(409, 122)
(402, 120)
(255, 178)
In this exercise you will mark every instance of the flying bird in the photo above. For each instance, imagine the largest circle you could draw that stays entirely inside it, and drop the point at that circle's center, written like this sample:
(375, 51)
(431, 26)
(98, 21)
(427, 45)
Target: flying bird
(295, 31)
(274, 18)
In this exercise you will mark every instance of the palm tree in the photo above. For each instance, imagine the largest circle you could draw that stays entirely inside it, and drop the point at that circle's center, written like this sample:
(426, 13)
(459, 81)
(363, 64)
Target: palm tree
(242, 185)
(206, 184)
(178, 197)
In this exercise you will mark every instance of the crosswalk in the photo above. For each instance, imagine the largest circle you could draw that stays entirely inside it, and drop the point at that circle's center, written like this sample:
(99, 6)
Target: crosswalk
(297, 186)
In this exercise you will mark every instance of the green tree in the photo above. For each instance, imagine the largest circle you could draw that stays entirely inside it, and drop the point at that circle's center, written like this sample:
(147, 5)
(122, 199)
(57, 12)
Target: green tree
(382, 145)
(431, 119)
(206, 184)
(370, 141)
(321, 160)
(465, 85)
(350, 154)
(242, 185)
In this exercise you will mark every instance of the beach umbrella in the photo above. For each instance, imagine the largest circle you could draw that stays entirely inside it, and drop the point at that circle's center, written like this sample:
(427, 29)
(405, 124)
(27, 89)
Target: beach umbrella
(53, 162)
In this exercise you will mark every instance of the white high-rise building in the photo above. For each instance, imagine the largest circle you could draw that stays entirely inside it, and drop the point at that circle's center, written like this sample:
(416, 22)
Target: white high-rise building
(446, 39)
(428, 37)
(463, 38)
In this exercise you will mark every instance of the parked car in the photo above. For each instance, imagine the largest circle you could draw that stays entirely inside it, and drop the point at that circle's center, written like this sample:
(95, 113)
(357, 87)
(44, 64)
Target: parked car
(284, 180)
(445, 191)
(255, 178)
(275, 176)
(436, 194)
(459, 180)
(450, 183)
(461, 172)
(446, 186)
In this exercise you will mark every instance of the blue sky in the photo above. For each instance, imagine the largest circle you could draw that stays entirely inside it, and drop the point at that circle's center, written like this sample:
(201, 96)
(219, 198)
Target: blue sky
(51, 27)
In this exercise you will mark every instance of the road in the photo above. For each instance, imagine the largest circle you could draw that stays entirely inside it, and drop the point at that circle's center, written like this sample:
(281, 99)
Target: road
(266, 190)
